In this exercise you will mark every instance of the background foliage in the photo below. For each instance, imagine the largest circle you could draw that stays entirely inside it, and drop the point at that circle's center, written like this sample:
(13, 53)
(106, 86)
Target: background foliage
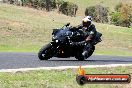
(98, 12)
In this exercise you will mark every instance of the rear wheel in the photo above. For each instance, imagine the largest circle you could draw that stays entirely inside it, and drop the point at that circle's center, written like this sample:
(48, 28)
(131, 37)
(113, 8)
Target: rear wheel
(46, 52)
(80, 57)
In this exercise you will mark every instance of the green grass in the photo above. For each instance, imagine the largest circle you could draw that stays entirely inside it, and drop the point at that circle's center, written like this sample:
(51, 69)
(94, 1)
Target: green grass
(58, 78)
(25, 29)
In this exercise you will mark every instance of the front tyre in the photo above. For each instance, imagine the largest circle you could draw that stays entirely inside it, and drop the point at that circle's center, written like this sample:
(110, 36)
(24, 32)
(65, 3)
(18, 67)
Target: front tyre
(46, 52)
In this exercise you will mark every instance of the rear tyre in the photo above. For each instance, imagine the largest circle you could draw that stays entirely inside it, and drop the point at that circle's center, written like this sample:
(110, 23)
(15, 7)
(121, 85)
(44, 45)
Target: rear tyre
(80, 57)
(46, 52)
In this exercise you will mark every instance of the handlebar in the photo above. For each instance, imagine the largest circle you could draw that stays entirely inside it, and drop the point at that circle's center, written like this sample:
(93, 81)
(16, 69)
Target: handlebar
(67, 24)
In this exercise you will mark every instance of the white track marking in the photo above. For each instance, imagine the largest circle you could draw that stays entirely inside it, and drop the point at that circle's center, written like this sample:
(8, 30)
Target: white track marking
(61, 67)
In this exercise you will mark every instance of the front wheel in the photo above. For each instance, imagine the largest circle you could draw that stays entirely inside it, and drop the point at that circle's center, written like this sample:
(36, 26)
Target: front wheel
(46, 52)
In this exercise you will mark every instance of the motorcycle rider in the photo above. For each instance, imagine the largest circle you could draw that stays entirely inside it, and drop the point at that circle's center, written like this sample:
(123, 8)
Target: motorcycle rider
(90, 32)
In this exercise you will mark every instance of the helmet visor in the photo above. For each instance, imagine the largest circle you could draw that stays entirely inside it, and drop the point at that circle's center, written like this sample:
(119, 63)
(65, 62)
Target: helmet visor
(86, 24)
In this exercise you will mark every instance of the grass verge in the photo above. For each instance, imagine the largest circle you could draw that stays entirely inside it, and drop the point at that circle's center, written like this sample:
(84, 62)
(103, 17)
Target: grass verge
(59, 78)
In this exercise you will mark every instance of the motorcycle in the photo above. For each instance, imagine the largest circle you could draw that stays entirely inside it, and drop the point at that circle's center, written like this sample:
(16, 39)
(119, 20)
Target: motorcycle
(61, 46)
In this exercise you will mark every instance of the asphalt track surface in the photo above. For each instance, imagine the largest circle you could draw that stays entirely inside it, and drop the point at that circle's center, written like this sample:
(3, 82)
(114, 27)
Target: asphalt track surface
(30, 60)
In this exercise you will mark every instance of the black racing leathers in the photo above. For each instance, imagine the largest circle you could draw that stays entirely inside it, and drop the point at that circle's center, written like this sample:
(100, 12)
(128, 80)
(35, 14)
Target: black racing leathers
(90, 33)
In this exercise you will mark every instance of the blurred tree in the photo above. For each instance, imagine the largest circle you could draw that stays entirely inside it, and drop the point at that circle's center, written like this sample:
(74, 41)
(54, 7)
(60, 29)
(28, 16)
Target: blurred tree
(64, 7)
(48, 5)
(59, 3)
(68, 8)
(115, 16)
(122, 15)
(98, 12)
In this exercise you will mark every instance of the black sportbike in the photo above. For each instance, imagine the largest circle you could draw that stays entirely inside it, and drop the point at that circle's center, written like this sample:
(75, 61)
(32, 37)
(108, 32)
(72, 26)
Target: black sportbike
(61, 46)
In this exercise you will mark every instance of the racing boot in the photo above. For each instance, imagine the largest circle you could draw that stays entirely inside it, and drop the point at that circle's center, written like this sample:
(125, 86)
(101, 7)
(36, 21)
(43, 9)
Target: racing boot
(86, 51)
(85, 54)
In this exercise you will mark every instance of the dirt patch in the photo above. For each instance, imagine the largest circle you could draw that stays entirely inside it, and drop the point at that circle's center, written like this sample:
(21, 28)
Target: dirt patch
(12, 23)
(9, 27)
